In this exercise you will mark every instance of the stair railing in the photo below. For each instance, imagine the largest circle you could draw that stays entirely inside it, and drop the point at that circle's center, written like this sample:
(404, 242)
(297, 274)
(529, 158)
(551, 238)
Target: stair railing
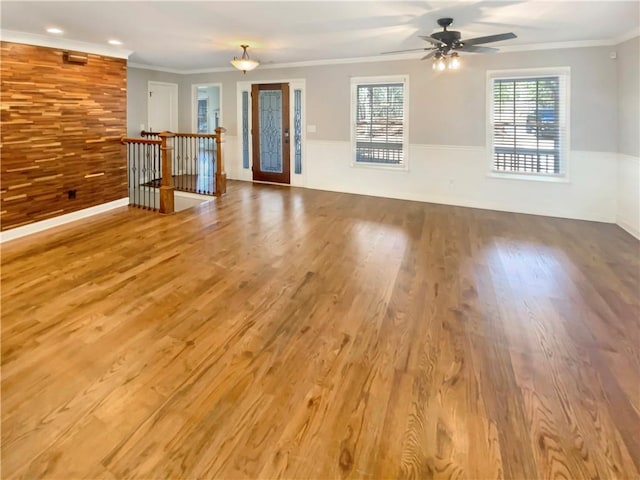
(143, 169)
(150, 180)
(198, 164)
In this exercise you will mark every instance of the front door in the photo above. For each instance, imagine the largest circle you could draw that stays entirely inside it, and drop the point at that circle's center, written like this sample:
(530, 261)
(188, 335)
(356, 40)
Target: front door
(270, 132)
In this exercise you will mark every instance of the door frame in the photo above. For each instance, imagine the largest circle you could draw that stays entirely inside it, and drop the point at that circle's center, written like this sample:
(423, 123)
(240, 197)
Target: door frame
(235, 170)
(174, 104)
(194, 103)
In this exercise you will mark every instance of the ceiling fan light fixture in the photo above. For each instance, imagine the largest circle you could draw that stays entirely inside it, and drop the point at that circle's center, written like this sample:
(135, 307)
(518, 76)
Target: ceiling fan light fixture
(439, 63)
(436, 60)
(244, 63)
(454, 61)
(443, 44)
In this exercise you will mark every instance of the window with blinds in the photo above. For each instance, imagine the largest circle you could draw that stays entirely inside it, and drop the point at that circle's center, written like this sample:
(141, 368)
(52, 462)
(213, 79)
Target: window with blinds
(379, 123)
(528, 124)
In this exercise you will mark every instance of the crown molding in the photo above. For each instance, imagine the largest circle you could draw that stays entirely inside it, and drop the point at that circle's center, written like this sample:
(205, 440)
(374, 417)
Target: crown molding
(63, 43)
(270, 66)
(633, 33)
(155, 68)
(555, 46)
(159, 68)
(214, 70)
(342, 61)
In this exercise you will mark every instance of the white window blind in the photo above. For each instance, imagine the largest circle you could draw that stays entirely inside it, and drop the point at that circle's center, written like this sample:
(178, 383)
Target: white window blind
(380, 124)
(528, 123)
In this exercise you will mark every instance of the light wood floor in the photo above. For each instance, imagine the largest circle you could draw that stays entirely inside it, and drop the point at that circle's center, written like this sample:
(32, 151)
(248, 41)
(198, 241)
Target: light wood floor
(287, 333)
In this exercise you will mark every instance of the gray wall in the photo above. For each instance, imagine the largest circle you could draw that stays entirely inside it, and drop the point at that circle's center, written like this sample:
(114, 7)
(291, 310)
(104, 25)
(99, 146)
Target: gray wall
(445, 108)
(137, 89)
(628, 64)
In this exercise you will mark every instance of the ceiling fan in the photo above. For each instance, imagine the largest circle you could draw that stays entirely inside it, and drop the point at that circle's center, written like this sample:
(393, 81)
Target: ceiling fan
(448, 42)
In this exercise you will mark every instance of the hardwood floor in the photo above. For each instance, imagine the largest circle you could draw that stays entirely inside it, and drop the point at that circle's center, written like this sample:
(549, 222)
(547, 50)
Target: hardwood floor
(289, 333)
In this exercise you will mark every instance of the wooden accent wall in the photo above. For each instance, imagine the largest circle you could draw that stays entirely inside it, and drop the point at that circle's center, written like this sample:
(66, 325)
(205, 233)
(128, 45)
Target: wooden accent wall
(61, 125)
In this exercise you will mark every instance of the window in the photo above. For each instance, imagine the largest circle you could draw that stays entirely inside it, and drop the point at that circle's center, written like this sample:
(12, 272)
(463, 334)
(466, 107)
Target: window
(245, 129)
(203, 109)
(379, 112)
(528, 121)
(297, 129)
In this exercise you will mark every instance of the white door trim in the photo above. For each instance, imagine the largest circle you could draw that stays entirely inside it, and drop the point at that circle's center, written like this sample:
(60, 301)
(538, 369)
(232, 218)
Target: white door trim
(297, 179)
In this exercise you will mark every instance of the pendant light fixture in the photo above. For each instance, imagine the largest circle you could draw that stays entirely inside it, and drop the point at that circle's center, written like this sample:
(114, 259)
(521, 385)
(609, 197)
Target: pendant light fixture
(244, 63)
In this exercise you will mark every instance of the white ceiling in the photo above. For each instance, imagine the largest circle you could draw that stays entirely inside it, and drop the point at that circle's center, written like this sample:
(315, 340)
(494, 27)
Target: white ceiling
(190, 36)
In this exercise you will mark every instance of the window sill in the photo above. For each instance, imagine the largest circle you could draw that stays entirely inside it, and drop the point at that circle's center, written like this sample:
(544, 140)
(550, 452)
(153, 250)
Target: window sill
(532, 177)
(381, 166)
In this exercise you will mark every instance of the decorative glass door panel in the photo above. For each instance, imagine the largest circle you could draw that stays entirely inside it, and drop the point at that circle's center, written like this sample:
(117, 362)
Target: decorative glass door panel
(270, 131)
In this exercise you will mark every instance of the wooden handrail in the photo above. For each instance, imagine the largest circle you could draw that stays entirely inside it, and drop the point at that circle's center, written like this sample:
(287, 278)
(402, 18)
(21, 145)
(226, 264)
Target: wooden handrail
(196, 135)
(124, 140)
(177, 134)
(144, 133)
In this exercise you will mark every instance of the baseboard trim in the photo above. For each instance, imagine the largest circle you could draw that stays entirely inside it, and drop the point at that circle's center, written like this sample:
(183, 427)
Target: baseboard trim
(627, 227)
(465, 203)
(36, 227)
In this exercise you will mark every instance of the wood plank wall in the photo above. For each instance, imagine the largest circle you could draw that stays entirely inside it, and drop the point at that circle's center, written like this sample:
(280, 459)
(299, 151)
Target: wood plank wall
(61, 129)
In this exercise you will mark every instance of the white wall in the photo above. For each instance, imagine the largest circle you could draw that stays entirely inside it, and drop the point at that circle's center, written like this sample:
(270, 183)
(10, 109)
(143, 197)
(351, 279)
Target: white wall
(628, 185)
(459, 176)
(628, 194)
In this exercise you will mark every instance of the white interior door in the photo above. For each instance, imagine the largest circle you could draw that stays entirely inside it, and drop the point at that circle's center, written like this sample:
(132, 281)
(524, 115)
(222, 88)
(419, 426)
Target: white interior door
(163, 107)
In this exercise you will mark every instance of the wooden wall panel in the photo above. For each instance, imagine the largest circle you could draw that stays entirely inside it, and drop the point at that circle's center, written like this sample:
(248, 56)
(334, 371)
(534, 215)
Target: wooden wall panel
(61, 130)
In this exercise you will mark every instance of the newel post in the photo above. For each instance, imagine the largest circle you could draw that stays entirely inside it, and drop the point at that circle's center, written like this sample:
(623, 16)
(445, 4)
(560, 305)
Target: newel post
(166, 188)
(221, 175)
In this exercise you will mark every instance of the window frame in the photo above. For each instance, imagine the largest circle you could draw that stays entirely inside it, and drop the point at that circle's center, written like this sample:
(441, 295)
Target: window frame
(377, 80)
(564, 75)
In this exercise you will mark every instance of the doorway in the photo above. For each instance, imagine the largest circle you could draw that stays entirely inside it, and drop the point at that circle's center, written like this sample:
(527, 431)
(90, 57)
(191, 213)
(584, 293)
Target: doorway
(162, 107)
(205, 109)
(270, 128)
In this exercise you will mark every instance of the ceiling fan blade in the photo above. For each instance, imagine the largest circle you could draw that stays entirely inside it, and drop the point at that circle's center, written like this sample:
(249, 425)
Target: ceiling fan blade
(435, 41)
(429, 55)
(409, 50)
(489, 38)
(474, 49)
